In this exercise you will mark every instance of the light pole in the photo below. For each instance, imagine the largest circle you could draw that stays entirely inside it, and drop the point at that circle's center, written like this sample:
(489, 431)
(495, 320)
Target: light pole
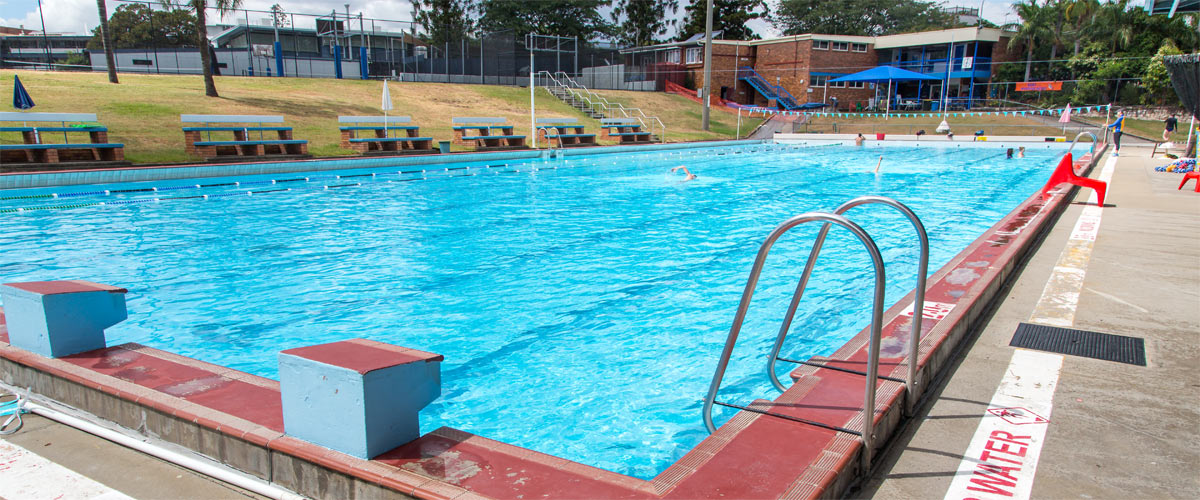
(45, 39)
(707, 64)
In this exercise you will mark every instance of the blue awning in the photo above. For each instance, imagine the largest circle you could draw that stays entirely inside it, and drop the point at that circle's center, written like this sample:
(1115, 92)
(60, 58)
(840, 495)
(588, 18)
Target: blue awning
(884, 74)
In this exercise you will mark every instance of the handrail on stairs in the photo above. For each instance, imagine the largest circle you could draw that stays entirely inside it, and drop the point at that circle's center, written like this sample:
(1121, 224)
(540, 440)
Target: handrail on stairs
(595, 101)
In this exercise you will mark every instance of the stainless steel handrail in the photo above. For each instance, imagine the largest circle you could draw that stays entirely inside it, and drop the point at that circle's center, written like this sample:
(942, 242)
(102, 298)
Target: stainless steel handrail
(914, 341)
(1076, 141)
(867, 435)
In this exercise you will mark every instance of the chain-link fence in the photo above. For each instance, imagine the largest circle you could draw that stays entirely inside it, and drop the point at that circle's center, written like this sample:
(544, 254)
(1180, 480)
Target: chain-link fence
(159, 37)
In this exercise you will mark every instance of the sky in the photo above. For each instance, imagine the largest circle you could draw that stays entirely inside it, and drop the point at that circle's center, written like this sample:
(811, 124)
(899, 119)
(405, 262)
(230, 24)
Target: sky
(80, 16)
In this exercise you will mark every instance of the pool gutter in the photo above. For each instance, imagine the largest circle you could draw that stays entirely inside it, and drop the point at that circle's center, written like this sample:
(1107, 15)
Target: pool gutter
(234, 417)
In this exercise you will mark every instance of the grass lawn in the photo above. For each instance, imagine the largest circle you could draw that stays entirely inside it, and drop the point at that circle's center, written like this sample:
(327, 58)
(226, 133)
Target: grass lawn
(143, 111)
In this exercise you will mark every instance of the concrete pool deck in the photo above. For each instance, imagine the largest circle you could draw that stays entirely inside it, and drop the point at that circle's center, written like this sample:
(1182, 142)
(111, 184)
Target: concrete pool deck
(923, 480)
(1117, 430)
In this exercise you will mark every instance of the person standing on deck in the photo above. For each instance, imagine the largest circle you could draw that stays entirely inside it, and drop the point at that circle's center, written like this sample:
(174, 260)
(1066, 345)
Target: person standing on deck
(1116, 128)
(1169, 126)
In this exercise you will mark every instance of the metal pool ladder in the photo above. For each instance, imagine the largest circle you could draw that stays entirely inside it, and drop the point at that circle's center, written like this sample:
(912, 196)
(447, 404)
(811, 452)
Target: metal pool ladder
(876, 329)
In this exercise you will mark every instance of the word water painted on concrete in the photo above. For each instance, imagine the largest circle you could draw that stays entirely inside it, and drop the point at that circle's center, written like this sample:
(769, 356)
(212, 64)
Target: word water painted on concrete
(1001, 460)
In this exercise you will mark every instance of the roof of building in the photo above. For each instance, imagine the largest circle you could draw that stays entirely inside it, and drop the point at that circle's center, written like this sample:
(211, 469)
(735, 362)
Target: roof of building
(937, 37)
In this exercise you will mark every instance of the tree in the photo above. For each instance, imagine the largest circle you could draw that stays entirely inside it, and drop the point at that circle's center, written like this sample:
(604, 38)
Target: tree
(860, 17)
(1034, 29)
(729, 17)
(136, 26)
(641, 22)
(110, 59)
(579, 18)
(206, 60)
(1157, 79)
(443, 20)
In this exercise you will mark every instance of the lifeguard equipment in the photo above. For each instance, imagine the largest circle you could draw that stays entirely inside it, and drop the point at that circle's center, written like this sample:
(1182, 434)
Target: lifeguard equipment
(1065, 172)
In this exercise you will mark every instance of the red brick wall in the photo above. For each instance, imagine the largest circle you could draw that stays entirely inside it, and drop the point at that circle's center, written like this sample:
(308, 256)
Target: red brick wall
(831, 61)
(726, 60)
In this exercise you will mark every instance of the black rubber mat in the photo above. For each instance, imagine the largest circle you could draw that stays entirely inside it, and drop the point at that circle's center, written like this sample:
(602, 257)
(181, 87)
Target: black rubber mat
(1095, 345)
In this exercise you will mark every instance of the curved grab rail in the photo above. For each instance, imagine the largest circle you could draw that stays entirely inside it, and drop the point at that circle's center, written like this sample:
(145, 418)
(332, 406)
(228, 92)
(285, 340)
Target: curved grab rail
(914, 340)
(1081, 134)
(867, 435)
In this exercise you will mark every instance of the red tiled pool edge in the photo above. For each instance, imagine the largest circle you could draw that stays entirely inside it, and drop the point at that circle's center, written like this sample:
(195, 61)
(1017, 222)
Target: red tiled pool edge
(235, 418)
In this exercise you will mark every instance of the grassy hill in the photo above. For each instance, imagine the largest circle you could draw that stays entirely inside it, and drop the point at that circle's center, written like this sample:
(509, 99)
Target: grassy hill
(143, 110)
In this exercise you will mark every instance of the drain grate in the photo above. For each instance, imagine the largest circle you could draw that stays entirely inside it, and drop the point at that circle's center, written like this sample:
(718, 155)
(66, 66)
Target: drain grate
(1095, 345)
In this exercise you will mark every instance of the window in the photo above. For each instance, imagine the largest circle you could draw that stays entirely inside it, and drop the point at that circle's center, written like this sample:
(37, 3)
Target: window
(842, 46)
(821, 44)
(859, 47)
(672, 56)
(694, 56)
(857, 85)
(818, 81)
(143, 62)
(837, 85)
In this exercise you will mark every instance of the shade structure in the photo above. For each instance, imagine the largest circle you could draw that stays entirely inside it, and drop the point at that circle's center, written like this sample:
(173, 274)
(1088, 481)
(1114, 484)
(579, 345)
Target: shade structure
(887, 74)
(21, 99)
(884, 74)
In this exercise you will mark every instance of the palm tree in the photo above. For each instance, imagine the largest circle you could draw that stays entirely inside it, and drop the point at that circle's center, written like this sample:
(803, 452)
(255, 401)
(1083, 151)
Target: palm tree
(105, 39)
(1082, 16)
(206, 62)
(1034, 28)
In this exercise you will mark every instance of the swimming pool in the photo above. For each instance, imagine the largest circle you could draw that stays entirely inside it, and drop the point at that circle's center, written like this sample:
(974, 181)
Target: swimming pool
(580, 303)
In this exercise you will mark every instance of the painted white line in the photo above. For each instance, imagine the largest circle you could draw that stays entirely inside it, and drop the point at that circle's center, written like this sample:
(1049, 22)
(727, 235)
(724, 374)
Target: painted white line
(1002, 458)
(1060, 298)
(27, 475)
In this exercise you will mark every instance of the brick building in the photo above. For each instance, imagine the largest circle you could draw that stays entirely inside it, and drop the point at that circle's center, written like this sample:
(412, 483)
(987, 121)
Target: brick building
(789, 72)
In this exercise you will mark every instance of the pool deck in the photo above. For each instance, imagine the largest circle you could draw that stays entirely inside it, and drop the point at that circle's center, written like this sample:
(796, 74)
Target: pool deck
(1148, 231)
(1117, 430)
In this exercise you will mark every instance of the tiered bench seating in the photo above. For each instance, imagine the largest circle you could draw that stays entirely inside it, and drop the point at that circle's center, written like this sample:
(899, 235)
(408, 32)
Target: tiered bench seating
(250, 137)
(33, 148)
(564, 132)
(374, 135)
(486, 133)
(626, 130)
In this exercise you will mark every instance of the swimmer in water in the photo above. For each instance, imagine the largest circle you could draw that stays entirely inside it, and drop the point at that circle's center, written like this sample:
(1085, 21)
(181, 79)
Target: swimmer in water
(687, 177)
(858, 141)
(1021, 152)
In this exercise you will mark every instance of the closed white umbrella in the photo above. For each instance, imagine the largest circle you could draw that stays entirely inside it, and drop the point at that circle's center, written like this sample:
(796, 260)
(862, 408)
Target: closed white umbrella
(387, 106)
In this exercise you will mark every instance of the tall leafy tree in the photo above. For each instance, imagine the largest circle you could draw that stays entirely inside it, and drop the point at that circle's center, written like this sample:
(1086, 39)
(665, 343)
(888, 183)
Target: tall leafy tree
(136, 26)
(641, 22)
(579, 18)
(729, 17)
(444, 20)
(1034, 29)
(206, 62)
(109, 58)
(859, 17)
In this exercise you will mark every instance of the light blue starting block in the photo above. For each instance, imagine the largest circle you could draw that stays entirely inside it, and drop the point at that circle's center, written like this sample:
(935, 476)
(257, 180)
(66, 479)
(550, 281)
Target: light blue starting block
(358, 397)
(60, 318)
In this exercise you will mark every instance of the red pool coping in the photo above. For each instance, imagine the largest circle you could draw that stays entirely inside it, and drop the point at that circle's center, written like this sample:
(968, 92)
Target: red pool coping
(751, 456)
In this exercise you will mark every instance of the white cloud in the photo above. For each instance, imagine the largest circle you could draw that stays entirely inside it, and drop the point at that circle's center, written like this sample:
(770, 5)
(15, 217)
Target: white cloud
(62, 16)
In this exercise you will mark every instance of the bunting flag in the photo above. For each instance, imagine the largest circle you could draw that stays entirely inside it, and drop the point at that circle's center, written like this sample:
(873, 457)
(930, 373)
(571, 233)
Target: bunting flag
(1056, 111)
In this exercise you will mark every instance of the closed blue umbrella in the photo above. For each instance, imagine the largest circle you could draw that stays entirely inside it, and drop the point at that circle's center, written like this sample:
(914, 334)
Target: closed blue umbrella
(21, 99)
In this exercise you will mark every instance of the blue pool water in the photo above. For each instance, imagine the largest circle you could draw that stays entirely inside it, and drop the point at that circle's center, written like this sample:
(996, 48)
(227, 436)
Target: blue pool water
(580, 307)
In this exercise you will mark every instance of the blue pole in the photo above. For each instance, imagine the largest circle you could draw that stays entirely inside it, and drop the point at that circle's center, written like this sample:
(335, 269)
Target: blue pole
(279, 59)
(974, 62)
(337, 61)
(362, 63)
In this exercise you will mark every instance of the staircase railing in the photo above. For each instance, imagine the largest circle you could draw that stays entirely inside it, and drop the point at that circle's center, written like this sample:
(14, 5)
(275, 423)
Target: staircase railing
(598, 103)
(777, 92)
